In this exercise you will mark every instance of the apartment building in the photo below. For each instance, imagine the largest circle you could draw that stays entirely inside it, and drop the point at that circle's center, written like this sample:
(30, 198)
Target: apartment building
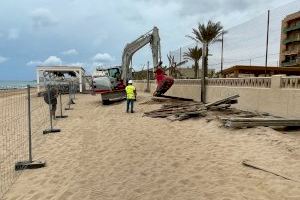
(290, 41)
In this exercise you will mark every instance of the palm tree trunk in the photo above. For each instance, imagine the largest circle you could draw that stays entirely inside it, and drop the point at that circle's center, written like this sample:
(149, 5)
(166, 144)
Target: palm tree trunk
(206, 62)
(204, 73)
(196, 69)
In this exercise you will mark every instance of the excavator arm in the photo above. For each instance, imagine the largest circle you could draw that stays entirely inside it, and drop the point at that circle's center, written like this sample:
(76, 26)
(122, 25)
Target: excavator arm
(151, 37)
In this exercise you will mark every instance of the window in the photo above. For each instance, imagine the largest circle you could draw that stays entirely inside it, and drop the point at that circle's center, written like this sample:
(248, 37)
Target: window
(114, 72)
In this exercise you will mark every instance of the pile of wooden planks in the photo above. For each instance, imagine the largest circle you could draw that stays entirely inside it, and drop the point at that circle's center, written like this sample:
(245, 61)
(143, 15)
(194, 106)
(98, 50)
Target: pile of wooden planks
(185, 109)
(179, 111)
(238, 122)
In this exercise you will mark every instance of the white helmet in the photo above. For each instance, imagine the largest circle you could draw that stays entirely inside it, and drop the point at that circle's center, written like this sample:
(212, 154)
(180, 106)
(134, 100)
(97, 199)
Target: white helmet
(130, 81)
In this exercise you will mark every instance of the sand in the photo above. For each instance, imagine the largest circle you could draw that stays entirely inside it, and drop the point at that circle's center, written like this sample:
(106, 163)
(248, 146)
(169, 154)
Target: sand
(104, 153)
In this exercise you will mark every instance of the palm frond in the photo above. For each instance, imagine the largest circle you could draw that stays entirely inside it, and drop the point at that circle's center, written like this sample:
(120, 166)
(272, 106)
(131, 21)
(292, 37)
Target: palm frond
(193, 53)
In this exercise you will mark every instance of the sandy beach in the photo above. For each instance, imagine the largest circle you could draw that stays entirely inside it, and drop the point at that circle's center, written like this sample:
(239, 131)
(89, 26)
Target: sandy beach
(104, 153)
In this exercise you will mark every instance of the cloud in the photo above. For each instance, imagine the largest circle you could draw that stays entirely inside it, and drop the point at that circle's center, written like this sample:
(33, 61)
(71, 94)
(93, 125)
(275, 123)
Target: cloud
(103, 58)
(50, 61)
(34, 63)
(42, 17)
(13, 34)
(3, 59)
(70, 52)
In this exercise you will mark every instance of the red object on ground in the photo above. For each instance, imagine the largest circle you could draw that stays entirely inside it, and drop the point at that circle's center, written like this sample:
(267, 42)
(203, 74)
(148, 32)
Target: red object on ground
(164, 82)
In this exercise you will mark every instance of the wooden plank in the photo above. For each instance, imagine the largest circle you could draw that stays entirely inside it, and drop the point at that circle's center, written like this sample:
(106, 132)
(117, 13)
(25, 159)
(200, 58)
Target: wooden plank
(256, 119)
(248, 163)
(252, 122)
(220, 107)
(222, 101)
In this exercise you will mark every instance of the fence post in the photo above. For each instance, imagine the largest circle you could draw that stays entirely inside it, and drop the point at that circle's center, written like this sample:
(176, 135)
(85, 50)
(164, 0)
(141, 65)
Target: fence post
(30, 164)
(60, 104)
(70, 98)
(73, 92)
(51, 130)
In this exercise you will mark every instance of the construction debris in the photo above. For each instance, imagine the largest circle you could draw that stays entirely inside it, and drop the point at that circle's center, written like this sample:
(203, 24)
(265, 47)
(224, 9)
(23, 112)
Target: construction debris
(228, 100)
(182, 108)
(178, 111)
(253, 122)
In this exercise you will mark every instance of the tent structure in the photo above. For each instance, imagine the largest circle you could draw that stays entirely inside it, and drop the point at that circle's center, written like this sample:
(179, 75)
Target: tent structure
(77, 71)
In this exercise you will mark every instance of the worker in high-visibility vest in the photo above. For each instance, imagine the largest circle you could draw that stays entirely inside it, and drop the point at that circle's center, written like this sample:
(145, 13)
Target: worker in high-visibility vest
(130, 96)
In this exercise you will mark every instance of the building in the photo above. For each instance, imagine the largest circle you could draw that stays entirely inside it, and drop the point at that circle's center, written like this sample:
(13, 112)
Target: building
(290, 41)
(240, 71)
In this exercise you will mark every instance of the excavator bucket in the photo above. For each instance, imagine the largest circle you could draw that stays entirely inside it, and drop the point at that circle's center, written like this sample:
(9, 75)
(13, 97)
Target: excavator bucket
(164, 86)
(164, 82)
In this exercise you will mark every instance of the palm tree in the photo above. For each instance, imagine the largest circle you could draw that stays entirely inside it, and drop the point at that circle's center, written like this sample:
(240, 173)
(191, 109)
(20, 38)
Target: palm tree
(207, 34)
(194, 54)
(174, 72)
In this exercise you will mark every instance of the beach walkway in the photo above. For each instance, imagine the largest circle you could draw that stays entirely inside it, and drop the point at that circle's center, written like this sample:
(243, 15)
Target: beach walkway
(104, 153)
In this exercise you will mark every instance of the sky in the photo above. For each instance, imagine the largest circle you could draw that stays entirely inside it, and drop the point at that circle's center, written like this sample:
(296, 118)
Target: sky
(93, 33)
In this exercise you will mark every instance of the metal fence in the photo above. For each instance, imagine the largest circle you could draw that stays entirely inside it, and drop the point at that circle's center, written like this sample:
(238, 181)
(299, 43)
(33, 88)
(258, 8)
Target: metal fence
(245, 44)
(25, 124)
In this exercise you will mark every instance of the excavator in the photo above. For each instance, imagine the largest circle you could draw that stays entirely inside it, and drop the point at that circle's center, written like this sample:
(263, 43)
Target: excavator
(110, 82)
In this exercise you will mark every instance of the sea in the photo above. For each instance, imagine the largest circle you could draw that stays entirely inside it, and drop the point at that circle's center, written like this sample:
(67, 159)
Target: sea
(16, 84)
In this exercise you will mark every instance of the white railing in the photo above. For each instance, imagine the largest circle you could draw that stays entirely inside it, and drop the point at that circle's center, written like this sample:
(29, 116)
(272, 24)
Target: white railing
(241, 82)
(290, 82)
(187, 81)
(260, 82)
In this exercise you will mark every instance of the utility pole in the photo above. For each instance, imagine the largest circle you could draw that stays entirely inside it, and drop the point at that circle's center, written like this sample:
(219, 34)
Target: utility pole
(148, 78)
(180, 55)
(267, 43)
(222, 49)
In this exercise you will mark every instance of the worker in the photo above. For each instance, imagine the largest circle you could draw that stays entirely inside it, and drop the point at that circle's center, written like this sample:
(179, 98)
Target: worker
(130, 96)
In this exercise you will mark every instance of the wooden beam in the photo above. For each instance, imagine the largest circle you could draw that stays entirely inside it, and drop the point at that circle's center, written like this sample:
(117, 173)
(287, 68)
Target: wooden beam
(253, 122)
(222, 101)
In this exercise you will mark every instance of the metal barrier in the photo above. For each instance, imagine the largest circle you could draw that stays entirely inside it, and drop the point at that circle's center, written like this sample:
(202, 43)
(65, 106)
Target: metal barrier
(24, 117)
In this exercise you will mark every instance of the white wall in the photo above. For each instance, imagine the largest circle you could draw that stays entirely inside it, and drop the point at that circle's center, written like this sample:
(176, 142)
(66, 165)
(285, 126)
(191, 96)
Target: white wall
(277, 100)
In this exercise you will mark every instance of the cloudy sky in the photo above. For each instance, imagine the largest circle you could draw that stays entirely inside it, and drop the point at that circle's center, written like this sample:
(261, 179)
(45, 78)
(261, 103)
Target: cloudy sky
(94, 32)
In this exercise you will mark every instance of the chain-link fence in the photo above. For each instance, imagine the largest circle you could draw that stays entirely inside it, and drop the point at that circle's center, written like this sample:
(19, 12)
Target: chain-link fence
(245, 44)
(25, 118)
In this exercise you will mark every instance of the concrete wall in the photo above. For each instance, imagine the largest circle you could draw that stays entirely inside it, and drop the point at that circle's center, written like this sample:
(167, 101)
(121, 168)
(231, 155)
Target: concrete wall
(279, 99)
(178, 90)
